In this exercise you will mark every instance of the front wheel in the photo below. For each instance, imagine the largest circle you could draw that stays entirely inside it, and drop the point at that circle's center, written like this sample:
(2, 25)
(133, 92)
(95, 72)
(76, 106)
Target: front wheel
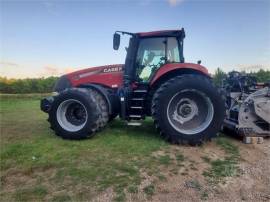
(75, 114)
(188, 109)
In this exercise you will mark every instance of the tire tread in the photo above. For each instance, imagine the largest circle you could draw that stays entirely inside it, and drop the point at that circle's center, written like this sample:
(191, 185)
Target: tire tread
(155, 108)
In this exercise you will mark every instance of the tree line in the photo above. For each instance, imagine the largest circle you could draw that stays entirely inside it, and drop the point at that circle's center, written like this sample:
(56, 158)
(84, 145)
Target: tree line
(45, 85)
(34, 85)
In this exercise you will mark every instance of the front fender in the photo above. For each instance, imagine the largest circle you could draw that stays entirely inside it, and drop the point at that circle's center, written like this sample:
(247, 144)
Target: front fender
(111, 98)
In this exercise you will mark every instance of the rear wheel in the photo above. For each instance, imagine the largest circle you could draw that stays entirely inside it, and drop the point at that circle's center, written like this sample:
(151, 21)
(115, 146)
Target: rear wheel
(188, 109)
(75, 114)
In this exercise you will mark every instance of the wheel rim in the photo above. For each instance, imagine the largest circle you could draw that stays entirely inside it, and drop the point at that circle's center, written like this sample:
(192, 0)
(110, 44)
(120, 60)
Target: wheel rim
(71, 115)
(190, 111)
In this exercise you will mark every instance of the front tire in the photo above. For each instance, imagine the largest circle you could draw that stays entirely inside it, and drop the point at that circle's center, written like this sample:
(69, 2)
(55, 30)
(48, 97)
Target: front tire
(75, 114)
(188, 109)
(103, 106)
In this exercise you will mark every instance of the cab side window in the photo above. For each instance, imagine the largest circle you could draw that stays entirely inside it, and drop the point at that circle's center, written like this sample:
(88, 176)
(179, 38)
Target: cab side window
(151, 55)
(173, 50)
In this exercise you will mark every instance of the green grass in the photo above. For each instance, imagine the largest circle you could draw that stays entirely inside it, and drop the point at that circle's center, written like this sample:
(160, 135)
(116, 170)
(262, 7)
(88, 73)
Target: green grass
(204, 195)
(112, 158)
(226, 167)
(132, 189)
(120, 196)
(34, 193)
(149, 190)
(36, 165)
(164, 160)
(180, 157)
(61, 198)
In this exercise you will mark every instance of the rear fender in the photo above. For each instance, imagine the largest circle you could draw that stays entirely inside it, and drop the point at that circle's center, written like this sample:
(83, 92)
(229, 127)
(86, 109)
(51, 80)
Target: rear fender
(173, 69)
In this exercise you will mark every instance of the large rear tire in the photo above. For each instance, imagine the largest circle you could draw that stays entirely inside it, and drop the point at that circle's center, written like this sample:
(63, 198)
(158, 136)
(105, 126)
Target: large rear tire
(188, 109)
(75, 114)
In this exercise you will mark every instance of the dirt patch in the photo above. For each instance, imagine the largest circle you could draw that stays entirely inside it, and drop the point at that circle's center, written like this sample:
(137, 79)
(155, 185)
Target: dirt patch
(254, 181)
(15, 180)
(251, 184)
(106, 195)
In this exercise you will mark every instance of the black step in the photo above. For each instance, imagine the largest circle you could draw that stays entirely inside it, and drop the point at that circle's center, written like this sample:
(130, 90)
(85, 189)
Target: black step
(135, 116)
(136, 107)
(133, 123)
(140, 91)
(137, 98)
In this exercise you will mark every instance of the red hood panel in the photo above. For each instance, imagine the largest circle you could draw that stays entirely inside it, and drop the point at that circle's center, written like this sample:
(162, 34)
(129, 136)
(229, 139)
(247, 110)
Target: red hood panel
(112, 75)
(109, 75)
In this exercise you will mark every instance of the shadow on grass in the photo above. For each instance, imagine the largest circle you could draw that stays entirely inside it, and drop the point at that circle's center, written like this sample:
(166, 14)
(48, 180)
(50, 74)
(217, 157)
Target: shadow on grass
(232, 134)
(147, 128)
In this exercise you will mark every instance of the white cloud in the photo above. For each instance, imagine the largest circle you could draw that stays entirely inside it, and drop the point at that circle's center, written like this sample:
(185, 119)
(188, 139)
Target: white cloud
(175, 2)
(50, 6)
(52, 70)
(11, 69)
(253, 67)
(8, 64)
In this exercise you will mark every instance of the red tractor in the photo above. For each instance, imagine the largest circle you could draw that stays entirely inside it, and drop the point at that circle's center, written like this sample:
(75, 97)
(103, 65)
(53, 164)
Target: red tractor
(154, 81)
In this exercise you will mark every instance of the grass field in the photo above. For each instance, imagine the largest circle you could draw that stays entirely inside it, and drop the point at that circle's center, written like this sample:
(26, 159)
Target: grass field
(36, 165)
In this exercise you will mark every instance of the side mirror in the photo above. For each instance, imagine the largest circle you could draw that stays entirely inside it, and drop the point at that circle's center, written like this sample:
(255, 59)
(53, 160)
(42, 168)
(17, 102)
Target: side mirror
(116, 41)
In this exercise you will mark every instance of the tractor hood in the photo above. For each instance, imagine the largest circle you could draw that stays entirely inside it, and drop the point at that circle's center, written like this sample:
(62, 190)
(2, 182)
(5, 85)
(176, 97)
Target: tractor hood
(109, 75)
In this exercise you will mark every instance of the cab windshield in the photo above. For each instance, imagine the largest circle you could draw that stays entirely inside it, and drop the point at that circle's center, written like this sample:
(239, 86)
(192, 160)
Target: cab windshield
(155, 52)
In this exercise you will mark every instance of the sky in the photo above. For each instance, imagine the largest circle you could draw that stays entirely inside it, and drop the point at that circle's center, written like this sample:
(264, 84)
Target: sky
(53, 37)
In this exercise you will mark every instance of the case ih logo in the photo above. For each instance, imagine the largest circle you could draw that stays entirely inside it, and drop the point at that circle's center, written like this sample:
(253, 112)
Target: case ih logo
(112, 69)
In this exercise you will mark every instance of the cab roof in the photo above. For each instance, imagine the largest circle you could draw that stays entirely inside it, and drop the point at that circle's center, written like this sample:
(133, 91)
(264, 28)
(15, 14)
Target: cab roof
(180, 32)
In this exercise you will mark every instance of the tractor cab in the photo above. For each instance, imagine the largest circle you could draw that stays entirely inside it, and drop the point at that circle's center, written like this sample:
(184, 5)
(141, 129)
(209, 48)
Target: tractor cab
(146, 54)
(148, 51)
